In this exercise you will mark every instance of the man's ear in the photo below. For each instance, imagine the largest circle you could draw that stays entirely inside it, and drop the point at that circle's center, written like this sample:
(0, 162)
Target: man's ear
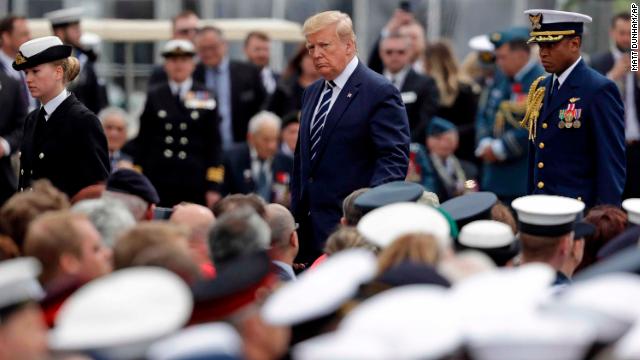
(68, 263)
(293, 240)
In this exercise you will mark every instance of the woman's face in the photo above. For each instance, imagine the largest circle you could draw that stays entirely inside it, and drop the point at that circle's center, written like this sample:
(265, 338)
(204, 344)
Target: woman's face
(44, 81)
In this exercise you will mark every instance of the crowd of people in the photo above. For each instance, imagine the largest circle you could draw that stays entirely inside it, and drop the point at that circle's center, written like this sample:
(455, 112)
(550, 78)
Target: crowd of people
(408, 208)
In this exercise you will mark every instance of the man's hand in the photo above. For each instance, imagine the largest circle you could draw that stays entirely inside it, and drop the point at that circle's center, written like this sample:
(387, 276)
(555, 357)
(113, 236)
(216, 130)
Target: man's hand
(212, 197)
(620, 68)
(488, 155)
(399, 18)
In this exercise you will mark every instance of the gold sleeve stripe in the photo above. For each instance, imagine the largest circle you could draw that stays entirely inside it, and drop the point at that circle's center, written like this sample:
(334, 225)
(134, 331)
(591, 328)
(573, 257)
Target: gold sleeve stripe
(215, 174)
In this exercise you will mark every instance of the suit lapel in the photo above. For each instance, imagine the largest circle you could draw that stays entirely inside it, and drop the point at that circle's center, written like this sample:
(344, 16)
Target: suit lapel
(566, 91)
(346, 96)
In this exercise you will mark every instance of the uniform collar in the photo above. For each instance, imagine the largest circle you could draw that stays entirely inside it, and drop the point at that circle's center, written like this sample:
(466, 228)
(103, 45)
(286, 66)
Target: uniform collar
(565, 74)
(53, 104)
(344, 76)
(182, 87)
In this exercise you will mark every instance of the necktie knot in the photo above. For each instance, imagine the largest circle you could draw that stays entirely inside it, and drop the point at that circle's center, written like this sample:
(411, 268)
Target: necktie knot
(330, 84)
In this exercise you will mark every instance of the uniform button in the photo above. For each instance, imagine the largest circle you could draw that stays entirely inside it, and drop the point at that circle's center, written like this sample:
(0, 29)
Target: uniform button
(31, 172)
(579, 198)
(168, 139)
(41, 156)
(182, 155)
(21, 171)
(183, 126)
(184, 140)
(540, 165)
(544, 125)
(540, 184)
(168, 127)
(541, 145)
(168, 153)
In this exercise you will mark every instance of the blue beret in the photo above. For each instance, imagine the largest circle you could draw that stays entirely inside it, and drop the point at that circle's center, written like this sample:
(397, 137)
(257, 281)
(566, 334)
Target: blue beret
(438, 125)
(132, 182)
(470, 207)
(389, 193)
(500, 38)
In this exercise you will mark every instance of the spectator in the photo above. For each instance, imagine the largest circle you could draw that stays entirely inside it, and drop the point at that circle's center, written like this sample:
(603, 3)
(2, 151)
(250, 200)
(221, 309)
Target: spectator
(237, 85)
(419, 92)
(148, 236)
(238, 232)
(417, 248)
(199, 220)
(17, 213)
(350, 213)
(109, 216)
(609, 222)
(347, 237)
(289, 133)
(299, 74)
(115, 125)
(14, 31)
(135, 191)
(235, 201)
(257, 166)
(284, 240)
(257, 48)
(458, 102)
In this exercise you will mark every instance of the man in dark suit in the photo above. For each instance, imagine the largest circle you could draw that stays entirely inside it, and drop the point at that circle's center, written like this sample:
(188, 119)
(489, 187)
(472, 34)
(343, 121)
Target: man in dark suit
(87, 87)
(257, 166)
(14, 32)
(237, 85)
(178, 145)
(575, 118)
(354, 131)
(419, 92)
(257, 48)
(12, 116)
(615, 64)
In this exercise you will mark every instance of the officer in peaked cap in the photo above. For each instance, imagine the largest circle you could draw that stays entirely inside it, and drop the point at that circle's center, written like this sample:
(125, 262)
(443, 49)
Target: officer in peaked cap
(178, 145)
(546, 226)
(63, 140)
(567, 112)
(501, 141)
(88, 87)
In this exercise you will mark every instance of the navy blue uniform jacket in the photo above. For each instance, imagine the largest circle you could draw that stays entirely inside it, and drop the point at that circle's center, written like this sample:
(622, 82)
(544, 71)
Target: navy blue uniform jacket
(587, 163)
(365, 143)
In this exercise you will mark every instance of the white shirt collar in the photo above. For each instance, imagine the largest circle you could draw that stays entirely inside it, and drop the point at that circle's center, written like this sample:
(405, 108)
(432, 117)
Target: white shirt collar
(286, 267)
(566, 73)
(53, 104)
(399, 76)
(183, 87)
(344, 76)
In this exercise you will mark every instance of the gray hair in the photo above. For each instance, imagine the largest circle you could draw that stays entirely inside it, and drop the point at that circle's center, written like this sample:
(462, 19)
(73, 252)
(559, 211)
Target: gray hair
(281, 223)
(134, 203)
(113, 111)
(238, 232)
(110, 217)
(260, 119)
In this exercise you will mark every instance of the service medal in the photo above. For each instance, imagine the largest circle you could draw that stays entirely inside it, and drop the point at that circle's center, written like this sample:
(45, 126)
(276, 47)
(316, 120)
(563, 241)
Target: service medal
(577, 124)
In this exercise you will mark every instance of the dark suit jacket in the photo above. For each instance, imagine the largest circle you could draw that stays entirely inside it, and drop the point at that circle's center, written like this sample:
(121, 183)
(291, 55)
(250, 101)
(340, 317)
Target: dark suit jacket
(604, 62)
(237, 171)
(73, 153)
(586, 162)
(247, 94)
(12, 117)
(364, 143)
(178, 147)
(87, 87)
(420, 96)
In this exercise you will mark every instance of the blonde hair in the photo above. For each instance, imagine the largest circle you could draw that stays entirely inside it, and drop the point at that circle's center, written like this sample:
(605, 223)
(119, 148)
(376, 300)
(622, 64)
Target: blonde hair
(417, 248)
(442, 66)
(344, 25)
(70, 68)
(346, 237)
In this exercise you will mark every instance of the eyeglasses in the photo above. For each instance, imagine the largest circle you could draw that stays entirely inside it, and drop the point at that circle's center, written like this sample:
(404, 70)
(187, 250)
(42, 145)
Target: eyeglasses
(395, 51)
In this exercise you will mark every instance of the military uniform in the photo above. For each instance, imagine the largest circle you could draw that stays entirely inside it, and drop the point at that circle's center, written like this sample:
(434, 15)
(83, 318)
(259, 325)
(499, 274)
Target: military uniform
(577, 146)
(178, 146)
(498, 125)
(87, 86)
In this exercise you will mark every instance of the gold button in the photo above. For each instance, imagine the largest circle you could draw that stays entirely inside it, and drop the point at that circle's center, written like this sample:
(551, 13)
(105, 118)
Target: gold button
(21, 171)
(168, 139)
(168, 126)
(182, 155)
(540, 184)
(41, 156)
(183, 126)
(168, 153)
(540, 165)
(184, 141)
(579, 198)
(541, 145)
(544, 125)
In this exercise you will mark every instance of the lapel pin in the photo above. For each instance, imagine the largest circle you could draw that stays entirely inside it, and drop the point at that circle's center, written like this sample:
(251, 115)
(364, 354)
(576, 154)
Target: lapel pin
(349, 95)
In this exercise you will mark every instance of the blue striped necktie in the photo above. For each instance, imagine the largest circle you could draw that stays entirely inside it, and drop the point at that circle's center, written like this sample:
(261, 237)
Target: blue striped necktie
(317, 124)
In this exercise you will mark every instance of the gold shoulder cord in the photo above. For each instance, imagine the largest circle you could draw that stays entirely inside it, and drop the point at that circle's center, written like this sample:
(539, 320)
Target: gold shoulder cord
(534, 103)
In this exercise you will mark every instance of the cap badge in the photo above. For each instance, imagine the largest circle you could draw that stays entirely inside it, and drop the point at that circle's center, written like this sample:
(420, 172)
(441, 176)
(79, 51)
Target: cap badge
(536, 21)
(20, 59)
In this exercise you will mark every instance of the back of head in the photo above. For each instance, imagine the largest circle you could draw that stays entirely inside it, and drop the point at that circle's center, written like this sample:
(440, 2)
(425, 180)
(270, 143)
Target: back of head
(238, 232)
(317, 22)
(197, 218)
(609, 222)
(281, 223)
(350, 212)
(347, 237)
(49, 237)
(22, 208)
(70, 68)
(231, 202)
(146, 236)
(110, 217)
(416, 248)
